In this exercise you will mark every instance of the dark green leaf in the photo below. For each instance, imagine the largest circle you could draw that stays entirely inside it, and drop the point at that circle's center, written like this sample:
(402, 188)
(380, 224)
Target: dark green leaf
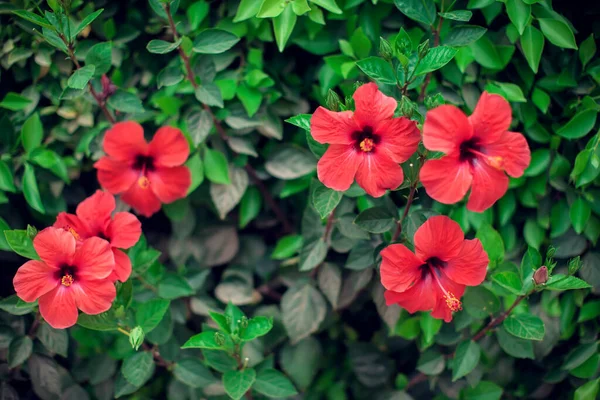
(466, 359)
(214, 41)
(237, 383)
(525, 326)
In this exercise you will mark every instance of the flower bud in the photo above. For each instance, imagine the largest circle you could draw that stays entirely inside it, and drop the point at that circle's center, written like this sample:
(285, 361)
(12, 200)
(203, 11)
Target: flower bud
(540, 276)
(31, 231)
(219, 339)
(403, 44)
(406, 107)
(385, 49)
(423, 49)
(574, 265)
(108, 88)
(244, 322)
(136, 337)
(333, 100)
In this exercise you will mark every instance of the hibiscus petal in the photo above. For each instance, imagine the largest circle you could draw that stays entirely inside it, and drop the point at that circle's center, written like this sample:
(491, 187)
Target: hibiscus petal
(491, 118)
(115, 176)
(71, 223)
(378, 173)
(94, 297)
(400, 138)
(58, 307)
(470, 266)
(372, 106)
(438, 237)
(447, 179)
(55, 247)
(142, 199)
(122, 269)
(333, 127)
(445, 128)
(489, 184)
(169, 147)
(420, 297)
(124, 230)
(514, 153)
(34, 279)
(399, 268)
(442, 310)
(96, 210)
(338, 166)
(170, 184)
(125, 140)
(93, 260)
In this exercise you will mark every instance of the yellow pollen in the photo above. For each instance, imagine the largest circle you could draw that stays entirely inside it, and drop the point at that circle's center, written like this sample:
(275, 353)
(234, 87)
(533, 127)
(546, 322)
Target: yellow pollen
(144, 182)
(367, 145)
(452, 302)
(67, 280)
(73, 232)
(496, 162)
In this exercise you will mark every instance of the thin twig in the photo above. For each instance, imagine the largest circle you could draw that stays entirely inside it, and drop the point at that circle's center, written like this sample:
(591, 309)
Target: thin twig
(436, 42)
(287, 227)
(411, 197)
(35, 325)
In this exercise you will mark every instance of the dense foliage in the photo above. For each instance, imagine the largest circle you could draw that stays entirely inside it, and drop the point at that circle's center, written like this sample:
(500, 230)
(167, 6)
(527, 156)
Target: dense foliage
(259, 280)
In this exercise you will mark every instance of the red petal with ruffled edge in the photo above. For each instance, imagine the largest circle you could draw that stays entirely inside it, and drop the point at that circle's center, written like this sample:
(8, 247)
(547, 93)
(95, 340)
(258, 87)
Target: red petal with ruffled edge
(34, 279)
(95, 211)
(142, 199)
(169, 148)
(56, 247)
(72, 223)
(489, 185)
(420, 297)
(115, 176)
(513, 151)
(94, 297)
(400, 138)
(93, 260)
(469, 266)
(124, 141)
(400, 268)
(333, 127)
(170, 184)
(124, 230)
(491, 118)
(372, 106)
(122, 269)
(58, 307)
(338, 166)
(378, 173)
(447, 179)
(445, 129)
(438, 237)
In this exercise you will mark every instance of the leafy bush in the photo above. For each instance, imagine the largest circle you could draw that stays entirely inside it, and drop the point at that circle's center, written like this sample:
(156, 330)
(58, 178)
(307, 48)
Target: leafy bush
(255, 267)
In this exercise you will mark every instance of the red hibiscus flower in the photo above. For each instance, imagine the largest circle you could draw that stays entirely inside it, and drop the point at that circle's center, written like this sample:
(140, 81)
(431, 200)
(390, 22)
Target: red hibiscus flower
(368, 143)
(435, 275)
(68, 277)
(479, 150)
(147, 174)
(94, 218)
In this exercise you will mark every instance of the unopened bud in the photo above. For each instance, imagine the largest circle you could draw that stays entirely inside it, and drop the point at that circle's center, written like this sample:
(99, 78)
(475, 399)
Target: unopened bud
(108, 88)
(540, 276)
(244, 322)
(574, 265)
(423, 49)
(406, 107)
(333, 100)
(385, 49)
(219, 338)
(434, 101)
(136, 337)
(403, 43)
(551, 252)
(31, 231)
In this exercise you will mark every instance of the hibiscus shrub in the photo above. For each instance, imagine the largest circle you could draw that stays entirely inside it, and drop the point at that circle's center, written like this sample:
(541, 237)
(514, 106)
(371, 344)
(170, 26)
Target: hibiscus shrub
(321, 199)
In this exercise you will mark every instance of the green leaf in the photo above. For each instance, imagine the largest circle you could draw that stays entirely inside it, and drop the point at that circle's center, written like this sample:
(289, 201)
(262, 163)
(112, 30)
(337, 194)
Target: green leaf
(237, 383)
(508, 280)
(197, 12)
(588, 390)
(19, 351)
(250, 205)
(375, 220)
(513, 346)
(204, 340)
(435, 59)
(558, 33)
(209, 94)
(525, 326)
(541, 99)
(31, 191)
(150, 313)
(483, 391)
(126, 102)
(510, 91)
(197, 169)
(235, 315)
(138, 368)
(290, 162)
(32, 133)
(34, 18)
(580, 125)
(247, 9)
(419, 10)
(54, 340)
(580, 213)
(283, 25)
(429, 326)
(173, 286)
(105, 321)
(587, 50)
(250, 97)
(257, 326)
(226, 197)
(303, 308)
(81, 77)
(6, 178)
(216, 168)
(492, 242)
(466, 359)
(193, 373)
(519, 13)
(329, 5)
(270, 8)
(324, 199)
(480, 302)
(100, 56)
(563, 282)
(85, 22)
(457, 15)
(378, 69)
(162, 47)
(274, 384)
(532, 46)
(579, 355)
(464, 35)
(214, 41)
(301, 121)
(312, 254)
(287, 246)
(14, 102)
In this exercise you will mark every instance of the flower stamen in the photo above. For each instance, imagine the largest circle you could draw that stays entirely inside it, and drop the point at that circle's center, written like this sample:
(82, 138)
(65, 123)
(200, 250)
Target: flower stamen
(73, 232)
(67, 280)
(451, 301)
(367, 145)
(143, 182)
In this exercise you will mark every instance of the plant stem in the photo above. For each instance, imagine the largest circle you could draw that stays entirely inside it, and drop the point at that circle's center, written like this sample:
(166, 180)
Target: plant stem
(280, 215)
(411, 197)
(35, 325)
(436, 42)
(329, 225)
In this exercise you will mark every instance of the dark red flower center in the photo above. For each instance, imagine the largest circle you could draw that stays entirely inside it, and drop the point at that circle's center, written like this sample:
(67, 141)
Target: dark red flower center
(143, 163)
(102, 235)
(365, 140)
(66, 275)
(433, 267)
(469, 149)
